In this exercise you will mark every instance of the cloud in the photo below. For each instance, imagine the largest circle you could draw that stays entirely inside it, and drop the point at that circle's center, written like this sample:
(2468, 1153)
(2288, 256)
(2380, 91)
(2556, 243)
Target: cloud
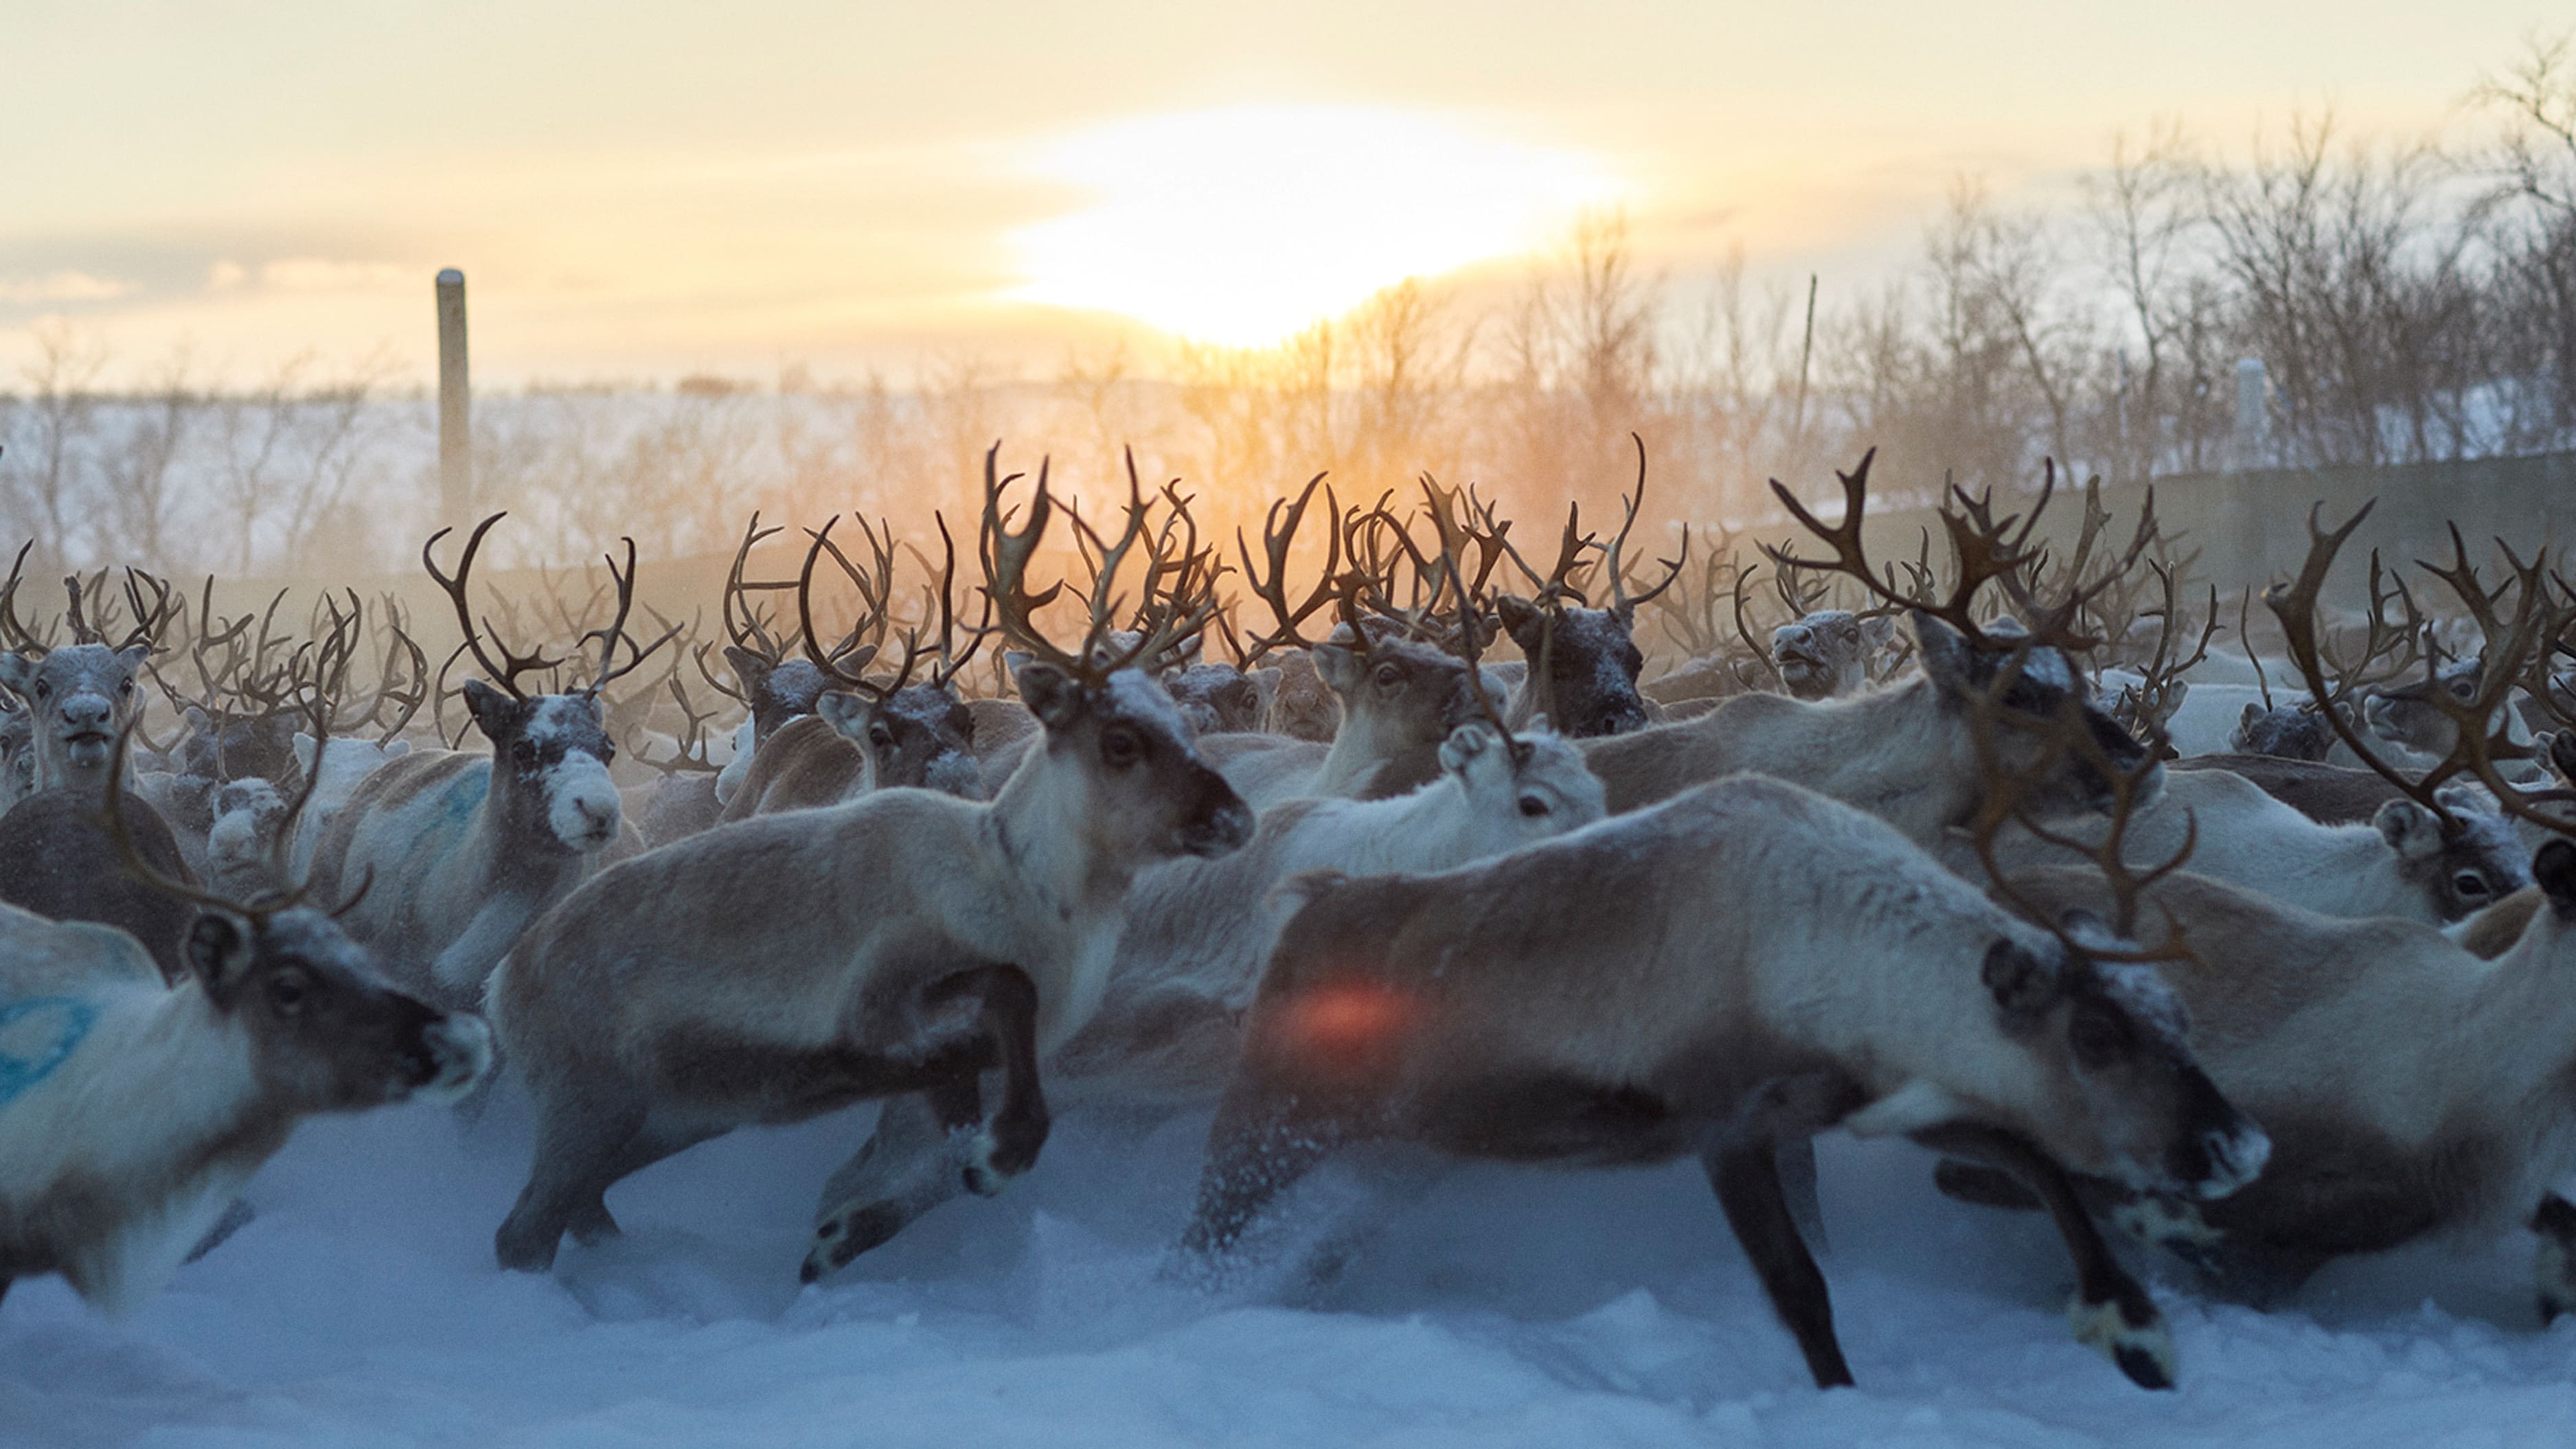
(225, 275)
(329, 274)
(64, 287)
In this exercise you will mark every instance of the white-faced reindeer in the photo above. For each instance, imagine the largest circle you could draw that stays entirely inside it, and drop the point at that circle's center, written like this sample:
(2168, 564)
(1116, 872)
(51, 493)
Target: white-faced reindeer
(459, 852)
(1197, 932)
(907, 941)
(135, 1110)
(80, 696)
(1741, 966)
(1827, 653)
(1904, 752)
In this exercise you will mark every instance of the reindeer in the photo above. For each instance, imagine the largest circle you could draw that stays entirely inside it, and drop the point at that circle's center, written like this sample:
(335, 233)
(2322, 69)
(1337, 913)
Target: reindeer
(1575, 1001)
(464, 850)
(904, 942)
(79, 696)
(1902, 752)
(2430, 856)
(1826, 653)
(1399, 692)
(1583, 662)
(2416, 1082)
(868, 734)
(138, 1110)
(1197, 932)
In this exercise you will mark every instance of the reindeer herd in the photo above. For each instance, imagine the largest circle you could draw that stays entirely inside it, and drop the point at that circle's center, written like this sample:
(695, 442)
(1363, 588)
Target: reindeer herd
(2255, 945)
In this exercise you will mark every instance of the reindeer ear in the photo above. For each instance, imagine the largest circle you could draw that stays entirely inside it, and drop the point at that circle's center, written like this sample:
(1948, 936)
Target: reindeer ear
(2410, 829)
(495, 713)
(1049, 692)
(1465, 744)
(1338, 665)
(1517, 615)
(1877, 631)
(2249, 717)
(218, 952)
(133, 655)
(2553, 869)
(2024, 984)
(1947, 656)
(18, 672)
(847, 714)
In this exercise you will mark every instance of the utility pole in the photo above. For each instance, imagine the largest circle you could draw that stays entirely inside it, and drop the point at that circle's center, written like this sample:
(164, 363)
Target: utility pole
(455, 405)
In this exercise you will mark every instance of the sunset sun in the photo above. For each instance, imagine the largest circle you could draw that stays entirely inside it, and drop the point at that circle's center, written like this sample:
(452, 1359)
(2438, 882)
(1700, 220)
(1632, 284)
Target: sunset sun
(1241, 226)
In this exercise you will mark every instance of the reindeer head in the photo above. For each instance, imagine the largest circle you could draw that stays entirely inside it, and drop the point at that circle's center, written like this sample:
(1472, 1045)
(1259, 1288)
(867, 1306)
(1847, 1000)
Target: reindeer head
(2406, 715)
(1826, 654)
(1144, 792)
(921, 735)
(776, 690)
(78, 699)
(326, 1032)
(1409, 692)
(2472, 860)
(2285, 731)
(550, 759)
(1148, 794)
(1296, 701)
(1523, 788)
(248, 816)
(1591, 661)
(1218, 698)
(2121, 1095)
(2041, 688)
(550, 752)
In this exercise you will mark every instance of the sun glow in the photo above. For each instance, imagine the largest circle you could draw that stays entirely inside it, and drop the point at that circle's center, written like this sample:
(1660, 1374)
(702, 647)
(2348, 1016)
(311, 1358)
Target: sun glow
(1245, 225)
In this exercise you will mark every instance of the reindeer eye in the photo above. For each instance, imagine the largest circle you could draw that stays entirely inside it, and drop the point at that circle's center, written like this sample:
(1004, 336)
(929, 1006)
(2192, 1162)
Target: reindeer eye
(2098, 1038)
(1533, 805)
(1388, 676)
(524, 751)
(880, 736)
(43, 688)
(286, 992)
(1120, 748)
(2470, 883)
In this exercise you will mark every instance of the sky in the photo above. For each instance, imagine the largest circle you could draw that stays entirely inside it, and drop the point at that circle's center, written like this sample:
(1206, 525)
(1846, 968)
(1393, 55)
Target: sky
(649, 188)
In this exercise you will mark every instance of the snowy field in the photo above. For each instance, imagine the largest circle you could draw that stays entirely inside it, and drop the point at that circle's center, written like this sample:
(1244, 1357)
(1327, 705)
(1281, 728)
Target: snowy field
(1505, 1308)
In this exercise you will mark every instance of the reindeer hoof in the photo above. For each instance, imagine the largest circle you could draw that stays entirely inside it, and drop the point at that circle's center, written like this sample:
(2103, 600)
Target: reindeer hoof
(2553, 1262)
(846, 1234)
(2131, 1334)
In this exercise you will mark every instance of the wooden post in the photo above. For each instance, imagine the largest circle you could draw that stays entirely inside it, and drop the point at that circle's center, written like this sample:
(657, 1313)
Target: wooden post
(455, 399)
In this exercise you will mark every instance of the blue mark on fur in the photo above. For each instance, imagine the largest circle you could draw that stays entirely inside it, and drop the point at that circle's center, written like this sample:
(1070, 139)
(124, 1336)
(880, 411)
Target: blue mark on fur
(38, 1035)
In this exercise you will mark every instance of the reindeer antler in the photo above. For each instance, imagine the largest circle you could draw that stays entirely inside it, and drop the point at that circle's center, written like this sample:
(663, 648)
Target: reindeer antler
(1620, 598)
(505, 673)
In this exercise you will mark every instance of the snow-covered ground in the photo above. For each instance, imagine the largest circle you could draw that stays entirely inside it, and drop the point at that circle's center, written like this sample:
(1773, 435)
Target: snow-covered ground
(1505, 1308)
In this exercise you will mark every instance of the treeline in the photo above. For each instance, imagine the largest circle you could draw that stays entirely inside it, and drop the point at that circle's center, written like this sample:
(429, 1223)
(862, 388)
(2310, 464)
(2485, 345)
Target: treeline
(2406, 300)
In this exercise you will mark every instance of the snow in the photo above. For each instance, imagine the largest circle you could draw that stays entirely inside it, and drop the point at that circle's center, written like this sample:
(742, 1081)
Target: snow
(1504, 1307)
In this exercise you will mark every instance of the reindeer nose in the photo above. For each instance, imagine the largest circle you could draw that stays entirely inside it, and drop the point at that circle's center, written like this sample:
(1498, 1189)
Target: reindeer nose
(87, 711)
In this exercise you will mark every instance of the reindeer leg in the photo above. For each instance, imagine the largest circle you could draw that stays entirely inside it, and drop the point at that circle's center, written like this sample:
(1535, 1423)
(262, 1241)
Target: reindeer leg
(1746, 1174)
(1005, 1142)
(1974, 1182)
(1261, 1144)
(579, 1144)
(2111, 1313)
(2554, 1262)
(902, 1171)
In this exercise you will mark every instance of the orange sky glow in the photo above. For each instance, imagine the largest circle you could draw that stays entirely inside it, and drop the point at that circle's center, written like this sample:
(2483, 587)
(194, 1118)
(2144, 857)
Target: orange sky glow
(650, 188)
